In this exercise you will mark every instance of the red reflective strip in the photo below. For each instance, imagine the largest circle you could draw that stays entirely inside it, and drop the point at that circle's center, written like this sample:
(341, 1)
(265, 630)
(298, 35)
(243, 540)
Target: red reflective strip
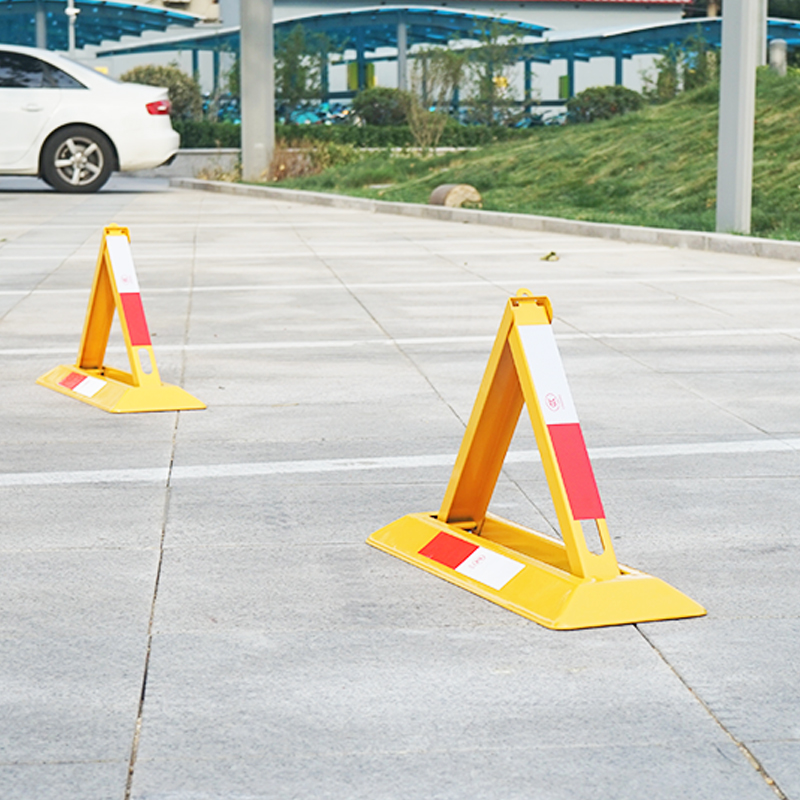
(448, 550)
(134, 316)
(576, 471)
(72, 380)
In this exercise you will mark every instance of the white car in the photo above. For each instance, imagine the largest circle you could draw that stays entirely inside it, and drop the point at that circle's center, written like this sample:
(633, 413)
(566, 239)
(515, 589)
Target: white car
(72, 126)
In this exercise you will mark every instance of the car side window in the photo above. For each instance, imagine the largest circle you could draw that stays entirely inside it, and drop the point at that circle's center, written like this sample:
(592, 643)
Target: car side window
(56, 78)
(20, 71)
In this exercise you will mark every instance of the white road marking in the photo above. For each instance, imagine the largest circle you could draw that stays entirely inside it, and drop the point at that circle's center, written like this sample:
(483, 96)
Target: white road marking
(416, 341)
(279, 345)
(489, 283)
(337, 465)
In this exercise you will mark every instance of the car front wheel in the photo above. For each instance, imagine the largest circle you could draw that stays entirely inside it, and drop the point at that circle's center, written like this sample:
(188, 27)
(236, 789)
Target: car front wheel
(77, 159)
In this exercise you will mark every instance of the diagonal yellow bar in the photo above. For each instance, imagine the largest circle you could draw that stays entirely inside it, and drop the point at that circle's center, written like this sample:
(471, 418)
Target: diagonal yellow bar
(559, 584)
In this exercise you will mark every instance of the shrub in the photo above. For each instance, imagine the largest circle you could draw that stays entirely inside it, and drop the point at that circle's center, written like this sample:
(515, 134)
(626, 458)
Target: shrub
(184, 92)
(382, 106)
(292, 163)
(204, 133)
(196, 133)
(329, 154)
(426, 126)
(603, 102)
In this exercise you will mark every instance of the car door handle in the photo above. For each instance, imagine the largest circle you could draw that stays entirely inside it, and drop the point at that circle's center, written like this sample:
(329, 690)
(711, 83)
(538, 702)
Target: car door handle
(32, 107)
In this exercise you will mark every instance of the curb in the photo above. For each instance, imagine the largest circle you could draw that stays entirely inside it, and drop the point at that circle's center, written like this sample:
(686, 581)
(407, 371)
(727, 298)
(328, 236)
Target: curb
(667, 237)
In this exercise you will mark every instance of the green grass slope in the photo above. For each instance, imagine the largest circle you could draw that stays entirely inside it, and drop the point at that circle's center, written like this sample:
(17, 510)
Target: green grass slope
(655, 167)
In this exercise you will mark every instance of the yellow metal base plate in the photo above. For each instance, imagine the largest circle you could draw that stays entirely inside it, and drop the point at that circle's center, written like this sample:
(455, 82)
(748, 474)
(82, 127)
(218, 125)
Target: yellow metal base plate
(527, 573)
(112, 391)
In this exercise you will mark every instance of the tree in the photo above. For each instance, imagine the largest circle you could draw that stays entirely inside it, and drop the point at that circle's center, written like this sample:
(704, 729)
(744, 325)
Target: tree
(490, 68)
(699, 62)
(445, 69)
(232, 78)
(184, 92)
(298, 67)
(435, 77)
(668, 73)
(683, 67)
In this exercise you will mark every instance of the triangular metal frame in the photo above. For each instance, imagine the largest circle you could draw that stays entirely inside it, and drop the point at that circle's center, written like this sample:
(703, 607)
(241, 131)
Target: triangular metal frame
(560, 584)
(115, 289)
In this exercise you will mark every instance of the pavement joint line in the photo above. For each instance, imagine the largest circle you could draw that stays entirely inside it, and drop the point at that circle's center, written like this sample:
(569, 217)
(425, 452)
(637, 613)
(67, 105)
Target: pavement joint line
(664, 237)
(410, 341)
(137, 729)
(135, 742)
(134, 754)
(169, 475)
(740, 745)
(382, 329)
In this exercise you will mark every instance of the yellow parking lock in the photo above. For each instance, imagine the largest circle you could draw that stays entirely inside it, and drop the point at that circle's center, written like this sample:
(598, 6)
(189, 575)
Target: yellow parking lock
(116, 288)
(559, 584)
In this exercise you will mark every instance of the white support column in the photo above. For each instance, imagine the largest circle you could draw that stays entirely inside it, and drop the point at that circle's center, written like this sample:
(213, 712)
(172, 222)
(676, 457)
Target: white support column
(72, 18)
(257, 81)
(40, 17)
(762, 32)
(402, 56)
(740, 34)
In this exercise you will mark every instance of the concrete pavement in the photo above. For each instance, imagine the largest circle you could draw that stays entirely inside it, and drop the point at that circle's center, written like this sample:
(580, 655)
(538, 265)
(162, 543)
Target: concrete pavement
(190, 611)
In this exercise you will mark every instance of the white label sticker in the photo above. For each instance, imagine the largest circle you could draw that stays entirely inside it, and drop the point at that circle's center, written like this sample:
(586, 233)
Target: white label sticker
(119, 251)
(547, 371)
(89, 386)
(490, 568)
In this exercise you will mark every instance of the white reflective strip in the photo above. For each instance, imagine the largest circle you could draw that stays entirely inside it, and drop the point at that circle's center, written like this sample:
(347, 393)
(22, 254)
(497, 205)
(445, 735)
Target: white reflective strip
(547, 371)
(89, 386)
(489, 568)
(119, 252)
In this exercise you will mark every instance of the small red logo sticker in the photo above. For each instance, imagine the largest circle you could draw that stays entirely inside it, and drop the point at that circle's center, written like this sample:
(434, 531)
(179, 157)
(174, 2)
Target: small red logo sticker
(554, 402)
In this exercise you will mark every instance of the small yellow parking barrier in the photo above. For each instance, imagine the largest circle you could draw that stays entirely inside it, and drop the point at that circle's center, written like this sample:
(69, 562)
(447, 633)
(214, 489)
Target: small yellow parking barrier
(559, 584)
(116, 288)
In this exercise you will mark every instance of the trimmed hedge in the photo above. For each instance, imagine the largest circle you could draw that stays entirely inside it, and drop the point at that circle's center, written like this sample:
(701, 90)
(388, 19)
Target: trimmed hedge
(200, 133)
(196, 134)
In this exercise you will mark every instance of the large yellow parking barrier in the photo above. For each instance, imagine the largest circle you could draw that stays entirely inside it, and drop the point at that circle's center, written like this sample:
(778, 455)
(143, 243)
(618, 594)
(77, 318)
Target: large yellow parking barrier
(116, 288)
(559, 584)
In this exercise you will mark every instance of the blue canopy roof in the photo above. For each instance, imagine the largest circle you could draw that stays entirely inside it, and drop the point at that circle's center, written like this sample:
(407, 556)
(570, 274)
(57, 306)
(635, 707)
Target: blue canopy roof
(625, 43)
(369, 29)
(98, 21)
(377, 27)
